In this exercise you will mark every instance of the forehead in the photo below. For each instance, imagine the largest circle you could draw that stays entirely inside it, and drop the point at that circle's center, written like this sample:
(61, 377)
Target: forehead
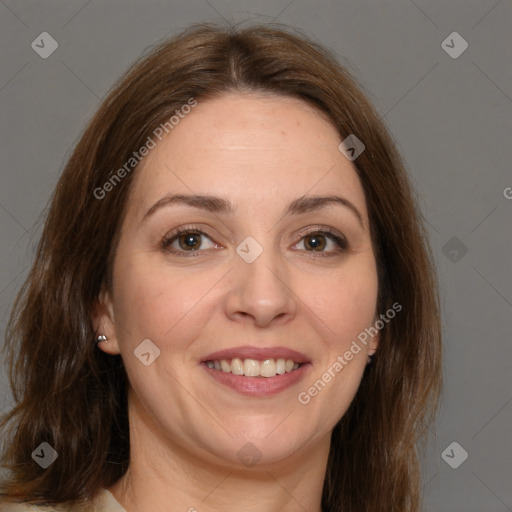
(245, 146)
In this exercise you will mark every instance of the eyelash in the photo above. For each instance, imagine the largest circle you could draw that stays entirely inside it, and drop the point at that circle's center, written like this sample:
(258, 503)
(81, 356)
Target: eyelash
(338, 239)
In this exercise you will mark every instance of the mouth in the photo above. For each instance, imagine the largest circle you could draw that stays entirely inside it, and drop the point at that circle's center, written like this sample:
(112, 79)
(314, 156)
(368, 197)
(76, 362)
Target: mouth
(253, 368)
(257, 371)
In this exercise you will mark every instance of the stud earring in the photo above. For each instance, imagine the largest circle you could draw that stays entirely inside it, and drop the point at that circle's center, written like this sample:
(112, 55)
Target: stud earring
(101, 338)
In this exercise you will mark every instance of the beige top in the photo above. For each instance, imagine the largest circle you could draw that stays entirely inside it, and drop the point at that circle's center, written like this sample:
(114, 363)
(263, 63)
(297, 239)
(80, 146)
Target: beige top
(103, 502)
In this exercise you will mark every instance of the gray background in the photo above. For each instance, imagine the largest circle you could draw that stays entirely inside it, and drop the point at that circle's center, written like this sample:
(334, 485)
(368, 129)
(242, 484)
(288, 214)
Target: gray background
(451, 117)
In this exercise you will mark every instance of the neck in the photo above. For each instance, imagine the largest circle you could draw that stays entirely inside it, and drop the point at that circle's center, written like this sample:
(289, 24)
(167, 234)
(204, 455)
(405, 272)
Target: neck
(163, 475)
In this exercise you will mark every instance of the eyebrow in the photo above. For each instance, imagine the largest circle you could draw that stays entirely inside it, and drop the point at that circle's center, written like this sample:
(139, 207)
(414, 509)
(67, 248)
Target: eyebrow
(213, 204)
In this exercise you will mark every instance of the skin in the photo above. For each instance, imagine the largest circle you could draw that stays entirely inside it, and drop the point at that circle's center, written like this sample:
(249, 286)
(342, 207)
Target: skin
(260, 152)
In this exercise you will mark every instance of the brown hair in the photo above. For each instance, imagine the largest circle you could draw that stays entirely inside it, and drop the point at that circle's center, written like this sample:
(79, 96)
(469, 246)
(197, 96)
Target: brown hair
(73, 396)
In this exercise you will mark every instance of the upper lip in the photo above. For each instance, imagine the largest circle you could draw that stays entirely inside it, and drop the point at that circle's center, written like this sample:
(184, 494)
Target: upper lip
(258, 353)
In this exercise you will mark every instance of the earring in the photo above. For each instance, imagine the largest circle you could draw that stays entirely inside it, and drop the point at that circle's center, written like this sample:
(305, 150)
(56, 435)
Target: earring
(101, 338)
(369, 360)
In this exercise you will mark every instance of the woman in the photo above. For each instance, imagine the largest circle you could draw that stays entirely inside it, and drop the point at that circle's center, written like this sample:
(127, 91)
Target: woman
(233, 302)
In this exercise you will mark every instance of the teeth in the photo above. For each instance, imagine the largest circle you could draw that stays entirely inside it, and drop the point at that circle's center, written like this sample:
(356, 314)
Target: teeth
(280, 366)
(237, 367)
(253, 367)
(268, 368)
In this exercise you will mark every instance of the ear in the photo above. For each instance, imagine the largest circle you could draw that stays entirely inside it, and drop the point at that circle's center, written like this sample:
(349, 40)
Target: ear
(373, 345)
(103, 321)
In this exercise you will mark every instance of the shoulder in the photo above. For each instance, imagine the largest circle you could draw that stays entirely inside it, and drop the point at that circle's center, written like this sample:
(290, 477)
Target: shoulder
(12, 506)
(9, 506)
(103, 502)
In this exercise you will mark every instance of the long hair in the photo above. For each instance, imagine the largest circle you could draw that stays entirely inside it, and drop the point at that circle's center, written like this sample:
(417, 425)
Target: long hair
(73, 396)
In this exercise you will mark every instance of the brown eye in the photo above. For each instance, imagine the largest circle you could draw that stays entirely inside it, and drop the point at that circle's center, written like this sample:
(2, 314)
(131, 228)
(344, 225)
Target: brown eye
(322, 243)
(315, 242)
(190, 241)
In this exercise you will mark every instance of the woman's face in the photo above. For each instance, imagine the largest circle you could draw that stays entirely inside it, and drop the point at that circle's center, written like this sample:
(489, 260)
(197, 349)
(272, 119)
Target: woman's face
(234, 255)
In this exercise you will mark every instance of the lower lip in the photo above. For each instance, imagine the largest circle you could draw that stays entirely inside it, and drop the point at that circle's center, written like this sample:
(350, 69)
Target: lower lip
(258, 386)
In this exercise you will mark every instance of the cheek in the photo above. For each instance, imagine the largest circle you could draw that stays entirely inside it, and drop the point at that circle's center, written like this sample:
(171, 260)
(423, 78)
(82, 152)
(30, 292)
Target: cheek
(340, 314)
(166, 307)
(346, 302)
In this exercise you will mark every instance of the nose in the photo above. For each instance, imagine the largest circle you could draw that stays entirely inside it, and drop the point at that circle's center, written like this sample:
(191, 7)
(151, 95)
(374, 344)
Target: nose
(261, 292)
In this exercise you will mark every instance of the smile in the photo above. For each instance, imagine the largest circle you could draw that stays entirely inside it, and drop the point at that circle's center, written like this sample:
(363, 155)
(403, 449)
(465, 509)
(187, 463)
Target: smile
(256, 371)
(253, 368)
